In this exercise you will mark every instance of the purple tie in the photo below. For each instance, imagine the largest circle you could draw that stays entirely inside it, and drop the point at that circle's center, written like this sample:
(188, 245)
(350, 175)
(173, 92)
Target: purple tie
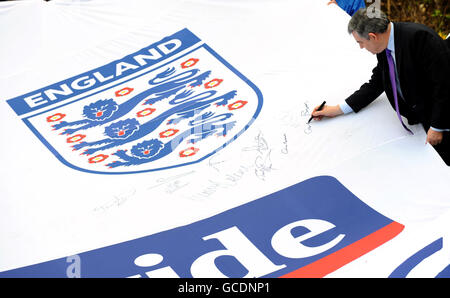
(394, 87)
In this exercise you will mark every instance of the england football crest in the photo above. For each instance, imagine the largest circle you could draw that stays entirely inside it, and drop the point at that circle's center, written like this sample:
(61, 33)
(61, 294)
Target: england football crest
(171, 104)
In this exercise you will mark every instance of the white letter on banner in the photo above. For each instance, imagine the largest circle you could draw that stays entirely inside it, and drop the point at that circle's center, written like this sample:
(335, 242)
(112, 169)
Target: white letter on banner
(65, 90)
(239, 247)
(35, 100)
(155, 55)
(291, 247)
(87, 82)
(152, 259)
(165, 49)
(123, 66)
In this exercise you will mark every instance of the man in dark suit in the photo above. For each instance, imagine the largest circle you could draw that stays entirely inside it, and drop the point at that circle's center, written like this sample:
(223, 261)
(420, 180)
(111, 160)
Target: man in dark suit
(413, 69)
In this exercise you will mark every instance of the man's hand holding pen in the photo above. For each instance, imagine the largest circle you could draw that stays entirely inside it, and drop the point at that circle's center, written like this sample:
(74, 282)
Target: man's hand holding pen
(326, 111)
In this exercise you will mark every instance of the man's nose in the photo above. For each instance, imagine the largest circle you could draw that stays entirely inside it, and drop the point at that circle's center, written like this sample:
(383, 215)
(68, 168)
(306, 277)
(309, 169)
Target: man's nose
(361, 46)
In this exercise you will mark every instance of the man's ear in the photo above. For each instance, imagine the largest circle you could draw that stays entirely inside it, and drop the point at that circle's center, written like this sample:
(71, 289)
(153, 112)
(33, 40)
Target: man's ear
(373, 36)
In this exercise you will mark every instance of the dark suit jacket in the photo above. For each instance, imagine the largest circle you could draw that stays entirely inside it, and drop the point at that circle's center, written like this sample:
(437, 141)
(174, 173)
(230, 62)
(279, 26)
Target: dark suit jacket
(423, 67)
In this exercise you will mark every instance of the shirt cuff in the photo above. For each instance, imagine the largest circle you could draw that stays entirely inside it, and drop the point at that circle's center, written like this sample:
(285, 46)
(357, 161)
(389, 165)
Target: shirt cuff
(438, 129)
(345, 108)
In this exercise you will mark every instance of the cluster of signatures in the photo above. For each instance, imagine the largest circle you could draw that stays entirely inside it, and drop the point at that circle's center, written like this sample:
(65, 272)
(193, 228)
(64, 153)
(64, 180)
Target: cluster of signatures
(228, 174)
(260, 164)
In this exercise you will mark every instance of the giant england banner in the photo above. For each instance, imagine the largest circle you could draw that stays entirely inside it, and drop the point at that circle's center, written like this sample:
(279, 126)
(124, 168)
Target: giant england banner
(171, 139)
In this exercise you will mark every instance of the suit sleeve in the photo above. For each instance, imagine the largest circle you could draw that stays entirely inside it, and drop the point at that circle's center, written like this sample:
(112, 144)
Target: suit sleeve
(434, 57)
(368, 92)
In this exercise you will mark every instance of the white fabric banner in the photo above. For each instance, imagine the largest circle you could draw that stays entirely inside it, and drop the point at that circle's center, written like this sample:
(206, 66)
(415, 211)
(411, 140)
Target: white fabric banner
(251, 73)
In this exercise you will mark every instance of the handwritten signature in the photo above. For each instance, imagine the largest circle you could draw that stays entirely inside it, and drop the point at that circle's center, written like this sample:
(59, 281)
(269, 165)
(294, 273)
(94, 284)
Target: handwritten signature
(260, 146)
(308, 129)
(262, 161)
(173, 183)
(306, 113)
(117, 200)
(285, 150)
(228, 180)
(263, 164)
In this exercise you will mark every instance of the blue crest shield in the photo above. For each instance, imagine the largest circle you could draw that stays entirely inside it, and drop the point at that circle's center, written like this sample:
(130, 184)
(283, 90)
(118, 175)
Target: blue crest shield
(172, 104)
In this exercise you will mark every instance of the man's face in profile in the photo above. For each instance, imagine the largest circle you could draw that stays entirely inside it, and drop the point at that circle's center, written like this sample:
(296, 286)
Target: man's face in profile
(374, 44)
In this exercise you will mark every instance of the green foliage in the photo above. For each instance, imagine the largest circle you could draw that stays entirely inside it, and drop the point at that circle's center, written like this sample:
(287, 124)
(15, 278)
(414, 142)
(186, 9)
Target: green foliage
(433, 13)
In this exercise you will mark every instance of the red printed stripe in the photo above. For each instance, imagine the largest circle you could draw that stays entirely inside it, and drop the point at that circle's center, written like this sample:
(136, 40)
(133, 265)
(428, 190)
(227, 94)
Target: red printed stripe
(336, 260)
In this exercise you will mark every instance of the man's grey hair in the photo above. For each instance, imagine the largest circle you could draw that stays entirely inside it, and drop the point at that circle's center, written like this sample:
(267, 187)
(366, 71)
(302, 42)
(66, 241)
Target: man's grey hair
(366, 21)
